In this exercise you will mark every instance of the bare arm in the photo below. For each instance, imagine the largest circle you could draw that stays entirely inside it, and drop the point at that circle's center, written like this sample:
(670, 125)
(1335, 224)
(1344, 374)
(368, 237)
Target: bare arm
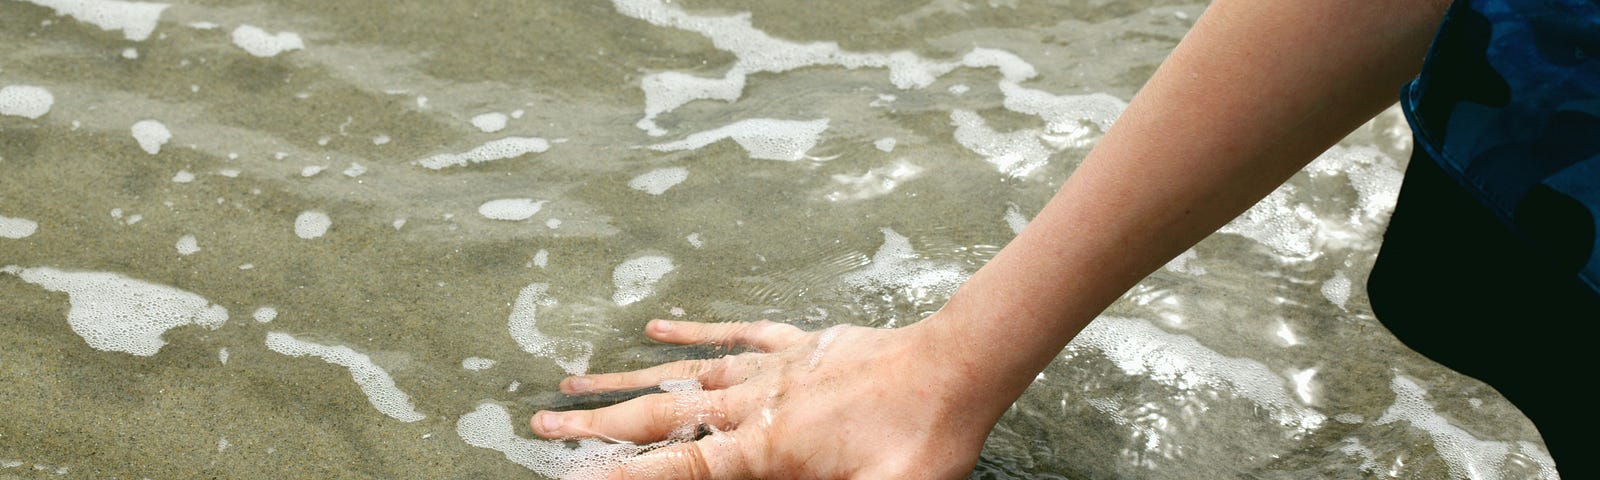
(1254, 92)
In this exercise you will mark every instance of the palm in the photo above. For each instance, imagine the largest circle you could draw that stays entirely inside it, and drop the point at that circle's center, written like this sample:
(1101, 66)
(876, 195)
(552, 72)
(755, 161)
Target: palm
(847, 402)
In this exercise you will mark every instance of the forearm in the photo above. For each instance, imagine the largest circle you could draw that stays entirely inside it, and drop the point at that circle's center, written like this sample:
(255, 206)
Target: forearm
(1254, 92)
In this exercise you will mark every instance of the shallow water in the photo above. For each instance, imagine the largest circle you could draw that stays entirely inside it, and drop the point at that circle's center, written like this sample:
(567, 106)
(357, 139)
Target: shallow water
(415, 214)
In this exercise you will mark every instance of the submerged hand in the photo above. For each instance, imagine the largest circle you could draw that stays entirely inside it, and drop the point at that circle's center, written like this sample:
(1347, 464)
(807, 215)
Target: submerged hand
(847, 402)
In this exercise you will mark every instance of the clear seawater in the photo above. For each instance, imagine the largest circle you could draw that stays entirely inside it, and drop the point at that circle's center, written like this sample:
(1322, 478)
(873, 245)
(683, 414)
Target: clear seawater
(776, 194)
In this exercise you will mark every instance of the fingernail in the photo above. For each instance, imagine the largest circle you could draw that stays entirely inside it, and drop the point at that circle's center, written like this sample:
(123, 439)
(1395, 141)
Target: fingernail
(550, 422)
(662, 326)
(580, 384)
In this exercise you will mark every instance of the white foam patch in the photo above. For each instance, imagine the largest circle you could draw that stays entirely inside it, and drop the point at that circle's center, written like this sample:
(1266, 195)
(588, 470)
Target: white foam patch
(896, 266)
(188, 245)
(1374, 176)
(222, 355)
(1464, 454)
(756, 52)
(510, 209)
(262, 44)
(136, 20)
(1293, 229)
(570, 354)
(509, 147)
(116, 313)
(151, 135)
(666, 91)
(130, 53)
(312, 170)
(1354, 448)
(183, 176)
(694, 240)
(656, 182)
(489, 426)
(541, 258)
(1138, 347)
(354, 170)
(1337, 289)
(17, 228)
(490, 122)
(1013, 153)
(376, 383)
(265, 314)
(1015, 219)
(25, 101)
(874, 183)
(762, 138)
(637, 277)
(477, 363)
(1285, 228)
(1068, 115)
(311, 224)
(885, 144)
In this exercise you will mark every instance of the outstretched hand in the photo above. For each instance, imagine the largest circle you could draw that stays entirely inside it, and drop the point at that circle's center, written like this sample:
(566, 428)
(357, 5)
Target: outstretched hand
(846, 402)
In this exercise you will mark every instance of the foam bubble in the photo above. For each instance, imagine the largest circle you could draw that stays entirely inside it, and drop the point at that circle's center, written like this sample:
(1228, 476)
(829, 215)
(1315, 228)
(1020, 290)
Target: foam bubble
(1015, 219)
(265, 314)
(151, 135)
(542, 258)
(489, 426)
(354, 170)
(222, 355)
(885, 144)
(762, 138)
(694, 240)
(477, 363)
(262, 44)
(312, 170)
(17, 228)
(116, 313)
(25, 101)
(187, 245)
(311, 224)
(136, 20)
(374, 381)
(636, 278)
(381, 140)
(1014, 153)
(130, 53)
(656, 182)
(511, 209)
(570, 354)
(490, 122)
(183, 176)
(509, 147)
(1138, 347)
(1337, 289)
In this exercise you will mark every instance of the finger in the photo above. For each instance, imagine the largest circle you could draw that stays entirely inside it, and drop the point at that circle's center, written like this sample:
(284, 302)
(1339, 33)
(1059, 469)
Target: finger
(713, 374)
(641, 420)
(763, 335)
(711, 458)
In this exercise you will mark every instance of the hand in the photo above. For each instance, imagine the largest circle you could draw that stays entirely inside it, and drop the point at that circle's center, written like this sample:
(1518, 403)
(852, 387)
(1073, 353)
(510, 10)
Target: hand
(847, 402)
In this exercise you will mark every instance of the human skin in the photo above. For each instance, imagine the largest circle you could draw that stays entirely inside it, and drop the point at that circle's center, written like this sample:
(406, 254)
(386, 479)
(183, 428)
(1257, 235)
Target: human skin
(1254, 92)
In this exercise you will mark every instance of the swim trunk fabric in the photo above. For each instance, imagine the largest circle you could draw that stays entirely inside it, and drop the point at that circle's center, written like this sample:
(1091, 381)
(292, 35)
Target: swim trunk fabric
(1508, 103)
(1491, 261)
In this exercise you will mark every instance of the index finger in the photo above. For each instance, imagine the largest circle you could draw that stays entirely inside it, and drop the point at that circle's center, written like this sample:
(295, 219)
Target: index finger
(763, 335)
